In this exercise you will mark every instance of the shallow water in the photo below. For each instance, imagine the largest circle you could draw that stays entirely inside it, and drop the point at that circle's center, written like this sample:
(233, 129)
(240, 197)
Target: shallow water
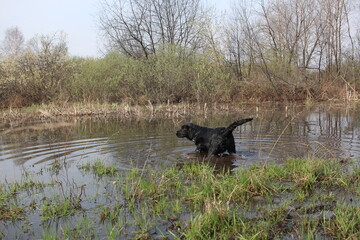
(276, 133)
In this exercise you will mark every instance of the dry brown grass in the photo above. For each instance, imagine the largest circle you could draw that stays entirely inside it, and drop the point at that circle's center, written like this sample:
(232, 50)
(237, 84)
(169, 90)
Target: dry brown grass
(104, 110)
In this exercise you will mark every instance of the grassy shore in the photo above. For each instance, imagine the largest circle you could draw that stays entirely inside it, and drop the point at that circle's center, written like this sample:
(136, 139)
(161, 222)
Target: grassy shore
(301, 199)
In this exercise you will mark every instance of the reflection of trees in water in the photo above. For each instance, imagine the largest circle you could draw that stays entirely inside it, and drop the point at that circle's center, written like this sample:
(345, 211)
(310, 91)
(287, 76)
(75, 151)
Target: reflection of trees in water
(29, 141)
(38, 132)
(295, 130)
(330, 133)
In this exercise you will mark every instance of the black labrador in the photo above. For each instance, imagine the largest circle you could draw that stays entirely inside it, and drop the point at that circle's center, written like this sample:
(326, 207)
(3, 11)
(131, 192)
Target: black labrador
(211, 141)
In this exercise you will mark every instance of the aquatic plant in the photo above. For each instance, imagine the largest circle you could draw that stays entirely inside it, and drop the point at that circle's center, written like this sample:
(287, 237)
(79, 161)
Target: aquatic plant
(58, 207)
(345, 224)
(99, 168)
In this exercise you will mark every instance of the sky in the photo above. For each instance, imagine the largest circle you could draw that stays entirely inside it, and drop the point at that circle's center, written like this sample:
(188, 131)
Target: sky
(76, 18)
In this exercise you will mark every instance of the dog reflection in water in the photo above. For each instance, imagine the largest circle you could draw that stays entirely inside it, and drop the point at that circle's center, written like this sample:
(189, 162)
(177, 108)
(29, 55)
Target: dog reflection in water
(222, 164)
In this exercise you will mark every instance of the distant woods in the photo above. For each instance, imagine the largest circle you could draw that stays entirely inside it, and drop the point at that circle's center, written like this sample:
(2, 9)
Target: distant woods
(180, 51)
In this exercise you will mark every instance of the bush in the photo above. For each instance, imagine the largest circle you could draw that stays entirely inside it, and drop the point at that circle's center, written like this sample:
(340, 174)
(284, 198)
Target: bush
(39, 74)
(165, 77)
(99, 79)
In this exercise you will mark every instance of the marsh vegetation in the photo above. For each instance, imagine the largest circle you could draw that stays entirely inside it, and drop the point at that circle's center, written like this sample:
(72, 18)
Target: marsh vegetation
(303, 198)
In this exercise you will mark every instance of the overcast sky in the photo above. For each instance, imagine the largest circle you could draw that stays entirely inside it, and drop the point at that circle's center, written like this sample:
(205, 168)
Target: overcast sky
(76, 18)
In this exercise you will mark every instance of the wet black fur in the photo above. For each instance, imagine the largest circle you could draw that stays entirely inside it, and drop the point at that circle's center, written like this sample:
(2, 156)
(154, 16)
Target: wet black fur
(212, 141)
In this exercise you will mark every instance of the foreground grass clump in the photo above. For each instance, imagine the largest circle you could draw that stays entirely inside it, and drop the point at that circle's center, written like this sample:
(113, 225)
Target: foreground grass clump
(10, 209)
(59, 208)
(261, 202)
(345, 224)
(99, 168)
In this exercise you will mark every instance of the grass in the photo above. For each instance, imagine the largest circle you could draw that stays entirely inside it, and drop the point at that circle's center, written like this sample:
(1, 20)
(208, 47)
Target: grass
(57, 208)
(82, 229)
(345, 224)
(10, 209)
(99, 168)
(12, 212)
(215, 200)
(303, 198)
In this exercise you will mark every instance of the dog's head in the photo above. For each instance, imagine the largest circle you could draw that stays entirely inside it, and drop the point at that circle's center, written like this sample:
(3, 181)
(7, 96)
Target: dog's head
(187, 131)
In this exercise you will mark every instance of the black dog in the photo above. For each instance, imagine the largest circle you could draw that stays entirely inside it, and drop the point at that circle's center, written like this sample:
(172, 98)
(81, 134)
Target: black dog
(212, 141)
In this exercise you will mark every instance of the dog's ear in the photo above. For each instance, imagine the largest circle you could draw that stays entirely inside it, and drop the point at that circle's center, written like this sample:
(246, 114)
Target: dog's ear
(191, 129)
(183, 132)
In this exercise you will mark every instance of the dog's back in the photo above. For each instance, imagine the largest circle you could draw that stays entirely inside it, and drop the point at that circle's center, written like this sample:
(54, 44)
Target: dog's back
(223, 140)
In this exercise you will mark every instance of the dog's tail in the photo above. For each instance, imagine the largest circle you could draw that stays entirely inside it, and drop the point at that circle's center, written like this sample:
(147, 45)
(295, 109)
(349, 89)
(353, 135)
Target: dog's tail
(232, 126)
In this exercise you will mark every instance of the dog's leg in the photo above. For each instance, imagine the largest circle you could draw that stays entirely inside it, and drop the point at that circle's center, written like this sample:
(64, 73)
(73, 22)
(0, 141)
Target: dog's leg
(230, 143)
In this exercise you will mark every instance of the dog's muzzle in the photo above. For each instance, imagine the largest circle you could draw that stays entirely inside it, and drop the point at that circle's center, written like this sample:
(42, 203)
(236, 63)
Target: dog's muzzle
(180, 134)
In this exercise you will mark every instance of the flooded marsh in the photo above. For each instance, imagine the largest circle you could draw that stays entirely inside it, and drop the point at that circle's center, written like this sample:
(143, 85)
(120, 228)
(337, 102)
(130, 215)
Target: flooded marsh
(295, 175)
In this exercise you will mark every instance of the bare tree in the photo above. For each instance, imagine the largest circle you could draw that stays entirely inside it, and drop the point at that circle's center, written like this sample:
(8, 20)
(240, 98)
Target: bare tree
(41, 72)
(291, 39)
(13, 42)
(47, 61)
(140, 27)
(236, 39)
(334, 34)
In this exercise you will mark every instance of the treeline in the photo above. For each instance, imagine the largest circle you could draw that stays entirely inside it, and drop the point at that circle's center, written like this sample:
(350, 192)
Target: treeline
(177, 51)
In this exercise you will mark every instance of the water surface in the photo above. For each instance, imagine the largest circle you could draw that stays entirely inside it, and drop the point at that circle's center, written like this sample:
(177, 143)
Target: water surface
(276, 133)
